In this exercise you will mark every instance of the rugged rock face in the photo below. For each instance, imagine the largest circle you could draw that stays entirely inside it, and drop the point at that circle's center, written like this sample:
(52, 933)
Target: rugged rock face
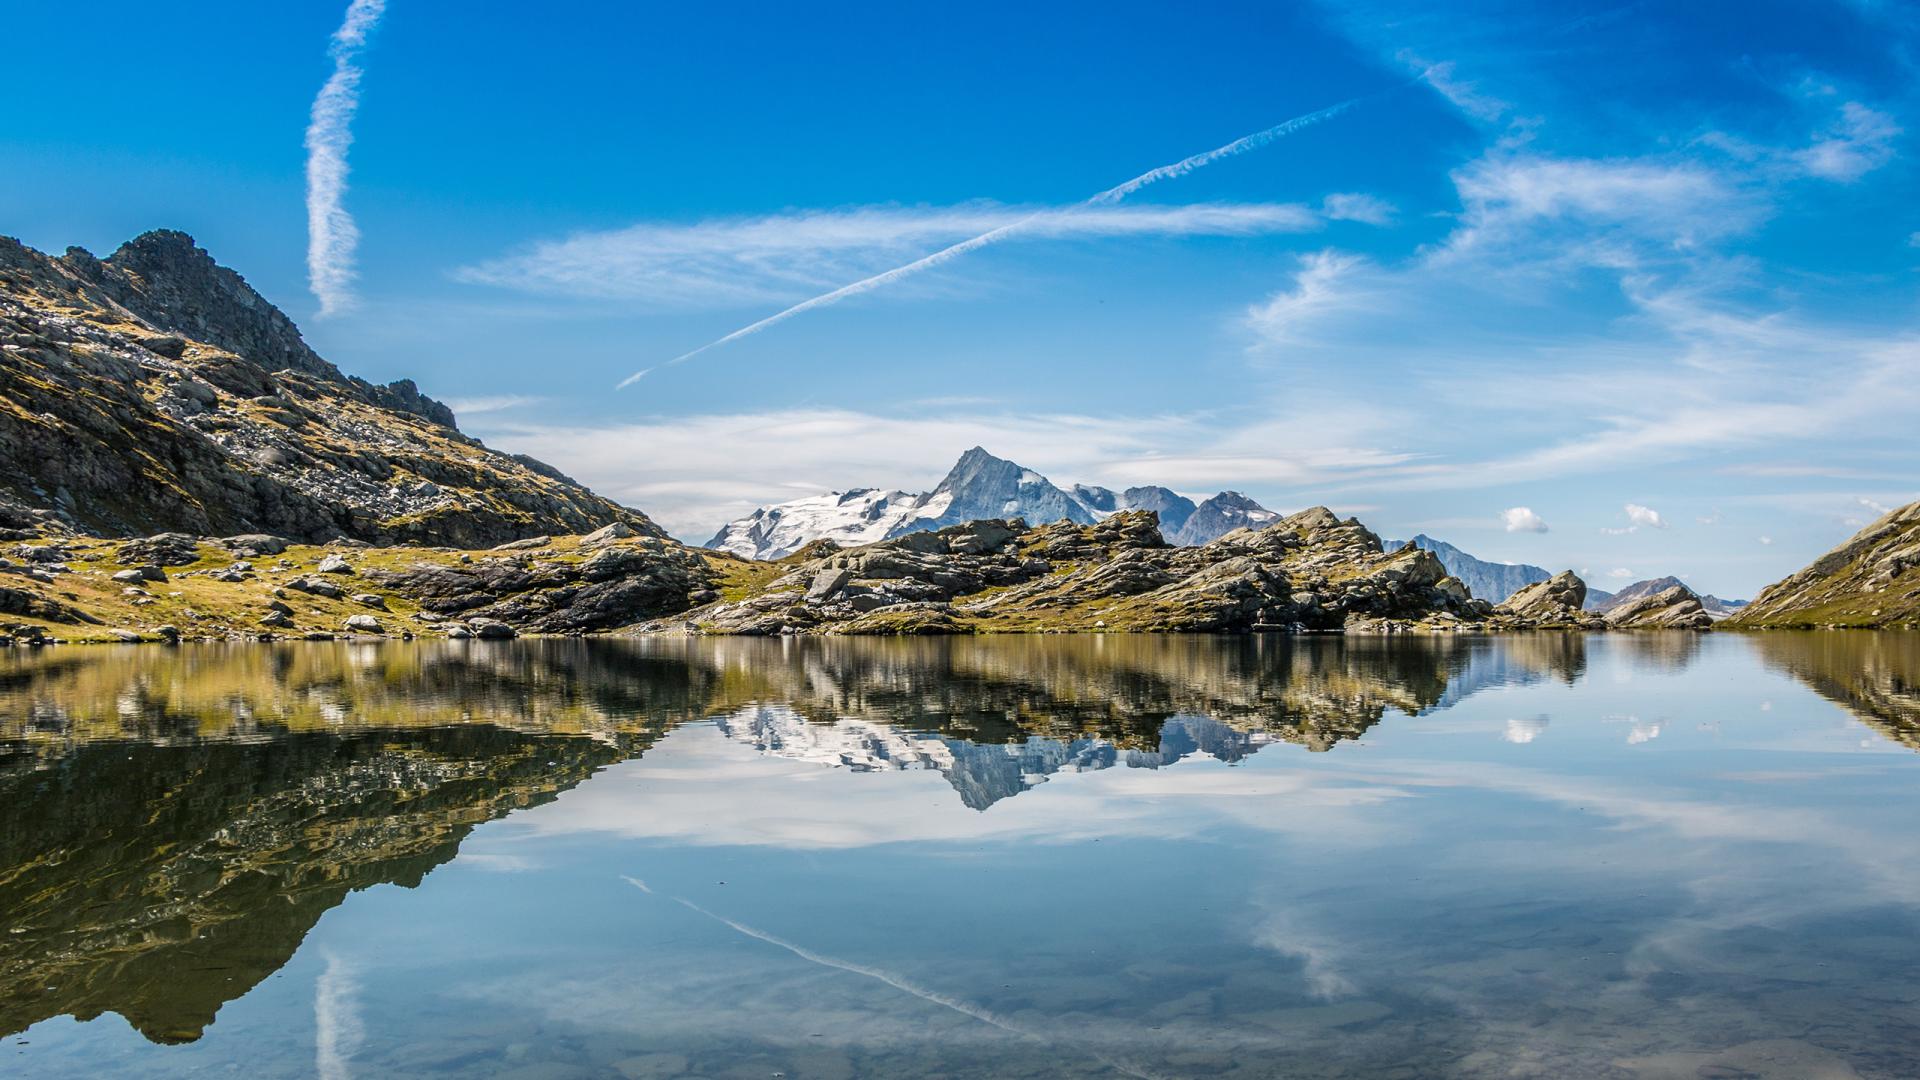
(1871, 580)
(615, 586)
(156, 390)
(1557, 601)
(1487, 580)
(1311, 571)
(1674, 608)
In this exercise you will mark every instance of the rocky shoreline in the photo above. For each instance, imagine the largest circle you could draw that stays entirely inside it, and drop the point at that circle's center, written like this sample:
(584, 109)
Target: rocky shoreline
(1312, 572)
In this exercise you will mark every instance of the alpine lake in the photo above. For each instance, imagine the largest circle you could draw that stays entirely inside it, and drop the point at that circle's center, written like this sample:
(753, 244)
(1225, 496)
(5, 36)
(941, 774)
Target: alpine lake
(1554, 855)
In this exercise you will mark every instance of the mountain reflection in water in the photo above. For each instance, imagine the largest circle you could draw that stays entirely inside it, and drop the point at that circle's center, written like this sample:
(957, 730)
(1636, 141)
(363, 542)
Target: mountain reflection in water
(176, 821)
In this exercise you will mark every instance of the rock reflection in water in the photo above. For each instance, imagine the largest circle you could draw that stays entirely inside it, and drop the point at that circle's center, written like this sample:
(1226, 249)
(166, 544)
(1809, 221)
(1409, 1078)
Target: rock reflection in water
(1875, 676)
(179, 820)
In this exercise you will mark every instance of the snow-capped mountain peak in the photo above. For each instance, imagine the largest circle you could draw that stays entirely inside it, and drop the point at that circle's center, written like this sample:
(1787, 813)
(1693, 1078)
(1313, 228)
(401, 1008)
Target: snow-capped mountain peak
(979, 485)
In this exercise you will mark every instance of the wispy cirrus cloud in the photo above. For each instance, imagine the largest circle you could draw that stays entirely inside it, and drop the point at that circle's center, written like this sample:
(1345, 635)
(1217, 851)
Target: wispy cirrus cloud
(332, 236)
(476, 406)
(1357, 206)
(1317, 289)
(728, 262)
(1244, 144)
(692, 491)
(1859, 141)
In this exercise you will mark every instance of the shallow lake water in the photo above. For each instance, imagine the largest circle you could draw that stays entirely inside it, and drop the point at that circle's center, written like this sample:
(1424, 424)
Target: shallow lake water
(1658, 855)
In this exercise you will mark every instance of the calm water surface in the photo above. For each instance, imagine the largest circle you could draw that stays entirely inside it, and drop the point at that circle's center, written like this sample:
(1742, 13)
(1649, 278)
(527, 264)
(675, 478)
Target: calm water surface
(1617, 856)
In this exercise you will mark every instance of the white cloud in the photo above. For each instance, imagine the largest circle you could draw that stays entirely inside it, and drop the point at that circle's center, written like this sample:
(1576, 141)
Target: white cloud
(1465, 94)
(1355, 206)
(1620, 573)
(1522, 519)
(725, 262)
(1766, 540)
(1644, 516)
(331, 233)
(1860, 141)
(1641, 517)
(1317, 290)
(336, 1021)
(1609, 212)
(1525, 729)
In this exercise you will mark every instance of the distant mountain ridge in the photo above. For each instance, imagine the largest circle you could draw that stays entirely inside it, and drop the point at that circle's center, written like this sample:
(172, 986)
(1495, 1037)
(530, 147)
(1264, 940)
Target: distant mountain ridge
(1490, 581)
(979, 487)
(1497, 582)
(1640, 590)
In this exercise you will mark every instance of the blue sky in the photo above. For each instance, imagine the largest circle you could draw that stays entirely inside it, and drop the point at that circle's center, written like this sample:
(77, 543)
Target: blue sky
(1565, 258)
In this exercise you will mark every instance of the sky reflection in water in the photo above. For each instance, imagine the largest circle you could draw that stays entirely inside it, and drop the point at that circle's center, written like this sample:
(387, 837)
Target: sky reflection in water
(1546, 856)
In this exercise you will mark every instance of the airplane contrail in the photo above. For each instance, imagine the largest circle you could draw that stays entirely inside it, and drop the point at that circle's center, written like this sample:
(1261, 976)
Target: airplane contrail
(899, 983)
(1112, 195)
(331, 234)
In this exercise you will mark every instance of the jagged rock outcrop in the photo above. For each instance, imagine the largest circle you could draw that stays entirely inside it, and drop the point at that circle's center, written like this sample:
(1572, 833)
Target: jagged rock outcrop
(1871, 580)
(156, 390)
(1311, 571)
(1558, 601)
(1673, 608)
(615, 586)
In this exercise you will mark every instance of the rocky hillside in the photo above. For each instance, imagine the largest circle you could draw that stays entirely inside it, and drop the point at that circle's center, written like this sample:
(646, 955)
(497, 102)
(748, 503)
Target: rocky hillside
(979, 487)
(156, 390)
(1871, 580)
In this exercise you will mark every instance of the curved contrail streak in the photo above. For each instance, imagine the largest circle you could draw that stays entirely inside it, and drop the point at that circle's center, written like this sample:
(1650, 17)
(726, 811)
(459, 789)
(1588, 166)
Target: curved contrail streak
(899, 983)
(331, 234)
(1112, 195)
